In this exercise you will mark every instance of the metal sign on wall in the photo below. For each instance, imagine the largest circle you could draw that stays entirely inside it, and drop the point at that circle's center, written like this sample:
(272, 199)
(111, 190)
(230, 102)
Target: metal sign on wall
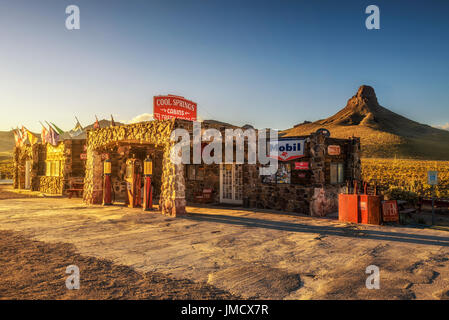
(170, 106)
(287, 149)
(302, 165)
(333, 150)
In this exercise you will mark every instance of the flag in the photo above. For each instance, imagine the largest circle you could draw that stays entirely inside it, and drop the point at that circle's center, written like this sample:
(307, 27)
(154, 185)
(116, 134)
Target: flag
(32, 139)
(112, 121)
(77, 130)
(56, 128)
(17, 137)
(24, 136)
(53, 136)
(44, 134)
(19, 133)
(96, 124)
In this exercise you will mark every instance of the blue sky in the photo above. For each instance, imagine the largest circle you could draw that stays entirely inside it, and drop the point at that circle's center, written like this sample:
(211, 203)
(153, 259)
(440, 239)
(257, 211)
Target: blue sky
(267, 63)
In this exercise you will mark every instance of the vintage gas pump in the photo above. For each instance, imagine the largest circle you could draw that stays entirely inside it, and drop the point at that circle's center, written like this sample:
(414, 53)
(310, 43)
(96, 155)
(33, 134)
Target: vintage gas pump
(148, 191)
(133, 182)
(107, 185)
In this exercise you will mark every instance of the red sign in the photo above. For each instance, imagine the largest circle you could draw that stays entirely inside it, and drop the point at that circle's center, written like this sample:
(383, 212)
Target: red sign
(333, 150)
(301, 166)
(390, 210)
(170, 106)
(83, 156)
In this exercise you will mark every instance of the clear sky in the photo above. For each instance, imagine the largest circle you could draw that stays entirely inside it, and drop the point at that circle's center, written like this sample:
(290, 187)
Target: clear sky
(267, 63)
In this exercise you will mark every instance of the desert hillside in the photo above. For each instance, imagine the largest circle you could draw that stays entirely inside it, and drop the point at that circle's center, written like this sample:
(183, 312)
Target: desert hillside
(6, 143)
(383, 133)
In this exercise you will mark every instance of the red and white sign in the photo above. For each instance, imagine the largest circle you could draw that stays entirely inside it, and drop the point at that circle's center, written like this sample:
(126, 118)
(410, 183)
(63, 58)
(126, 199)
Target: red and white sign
(170, 106)
(301, 165)
(287, 149)
(390, 210)
(333, 150)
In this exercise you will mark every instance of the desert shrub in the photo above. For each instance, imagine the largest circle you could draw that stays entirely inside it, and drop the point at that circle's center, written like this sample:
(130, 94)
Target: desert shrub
(394, 193)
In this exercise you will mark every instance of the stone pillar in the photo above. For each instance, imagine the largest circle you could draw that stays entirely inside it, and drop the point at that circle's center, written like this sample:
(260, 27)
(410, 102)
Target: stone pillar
(354, 159)
(172, 201)
(317, 160)
(93, 182)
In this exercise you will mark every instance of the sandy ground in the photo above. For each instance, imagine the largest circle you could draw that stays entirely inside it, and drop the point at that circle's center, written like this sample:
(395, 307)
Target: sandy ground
(249, 254)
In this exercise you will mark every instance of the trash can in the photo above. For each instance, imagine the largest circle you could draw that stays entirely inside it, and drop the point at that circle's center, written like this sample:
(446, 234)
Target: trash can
(359, 208)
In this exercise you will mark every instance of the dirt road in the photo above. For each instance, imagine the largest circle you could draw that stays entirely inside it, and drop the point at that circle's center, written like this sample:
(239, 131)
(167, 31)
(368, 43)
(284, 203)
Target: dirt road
(222, 252)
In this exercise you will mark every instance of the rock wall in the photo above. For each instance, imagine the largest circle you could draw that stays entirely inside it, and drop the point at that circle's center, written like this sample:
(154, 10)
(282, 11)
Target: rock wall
(21, 156)
(39, 154)
(50, 185)
(314, 195)
(156, 133)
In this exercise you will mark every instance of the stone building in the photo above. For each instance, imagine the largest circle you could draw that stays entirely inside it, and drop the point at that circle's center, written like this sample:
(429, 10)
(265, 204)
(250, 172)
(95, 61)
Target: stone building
(309, 184)
(47, 168)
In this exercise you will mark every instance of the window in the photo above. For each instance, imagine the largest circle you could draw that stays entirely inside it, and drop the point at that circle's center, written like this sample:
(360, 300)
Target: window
(195, 172)
(48, 168)
(337, 173)
(52, 168)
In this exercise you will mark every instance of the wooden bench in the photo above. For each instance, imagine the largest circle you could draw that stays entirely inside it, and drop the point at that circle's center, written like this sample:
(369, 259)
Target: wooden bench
(439, 203)
(205, 196)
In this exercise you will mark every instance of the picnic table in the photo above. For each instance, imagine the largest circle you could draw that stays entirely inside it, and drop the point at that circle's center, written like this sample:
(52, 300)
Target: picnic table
(76, 187)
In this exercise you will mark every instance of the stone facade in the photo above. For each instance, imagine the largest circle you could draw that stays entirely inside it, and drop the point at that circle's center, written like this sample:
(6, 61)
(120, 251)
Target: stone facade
(314, 194)
(48, 180)
(155, 133)
(312, 191)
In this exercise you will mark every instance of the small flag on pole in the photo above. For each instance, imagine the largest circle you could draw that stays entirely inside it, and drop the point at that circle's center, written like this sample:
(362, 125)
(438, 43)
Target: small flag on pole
(53, 136)
(24, 136)
(96, 124)
(77, 130)
(60, 131)
(17, 137)
(32, 139)
(44, 134)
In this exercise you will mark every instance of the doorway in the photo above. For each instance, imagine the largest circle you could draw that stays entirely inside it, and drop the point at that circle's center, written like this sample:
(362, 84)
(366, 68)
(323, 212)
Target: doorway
(231, 176)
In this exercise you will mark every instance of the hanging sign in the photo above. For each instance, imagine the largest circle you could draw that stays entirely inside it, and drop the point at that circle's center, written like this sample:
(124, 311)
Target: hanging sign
(287, 149)
(333, 150)
(170, 106)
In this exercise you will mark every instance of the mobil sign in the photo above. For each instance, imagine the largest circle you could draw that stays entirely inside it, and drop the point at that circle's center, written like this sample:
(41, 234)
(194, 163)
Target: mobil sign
(170, 106)
(287, 149)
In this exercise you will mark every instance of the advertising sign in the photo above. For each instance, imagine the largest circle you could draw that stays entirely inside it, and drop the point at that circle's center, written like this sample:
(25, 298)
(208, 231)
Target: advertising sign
(170, 106)
(432, 178)
(288, 149)
(390, 211)
(333, 150)
(302, 165)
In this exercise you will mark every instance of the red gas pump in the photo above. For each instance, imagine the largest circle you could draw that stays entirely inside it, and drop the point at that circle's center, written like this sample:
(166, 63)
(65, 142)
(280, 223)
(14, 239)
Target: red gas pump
(107, 185)
(148, 190)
